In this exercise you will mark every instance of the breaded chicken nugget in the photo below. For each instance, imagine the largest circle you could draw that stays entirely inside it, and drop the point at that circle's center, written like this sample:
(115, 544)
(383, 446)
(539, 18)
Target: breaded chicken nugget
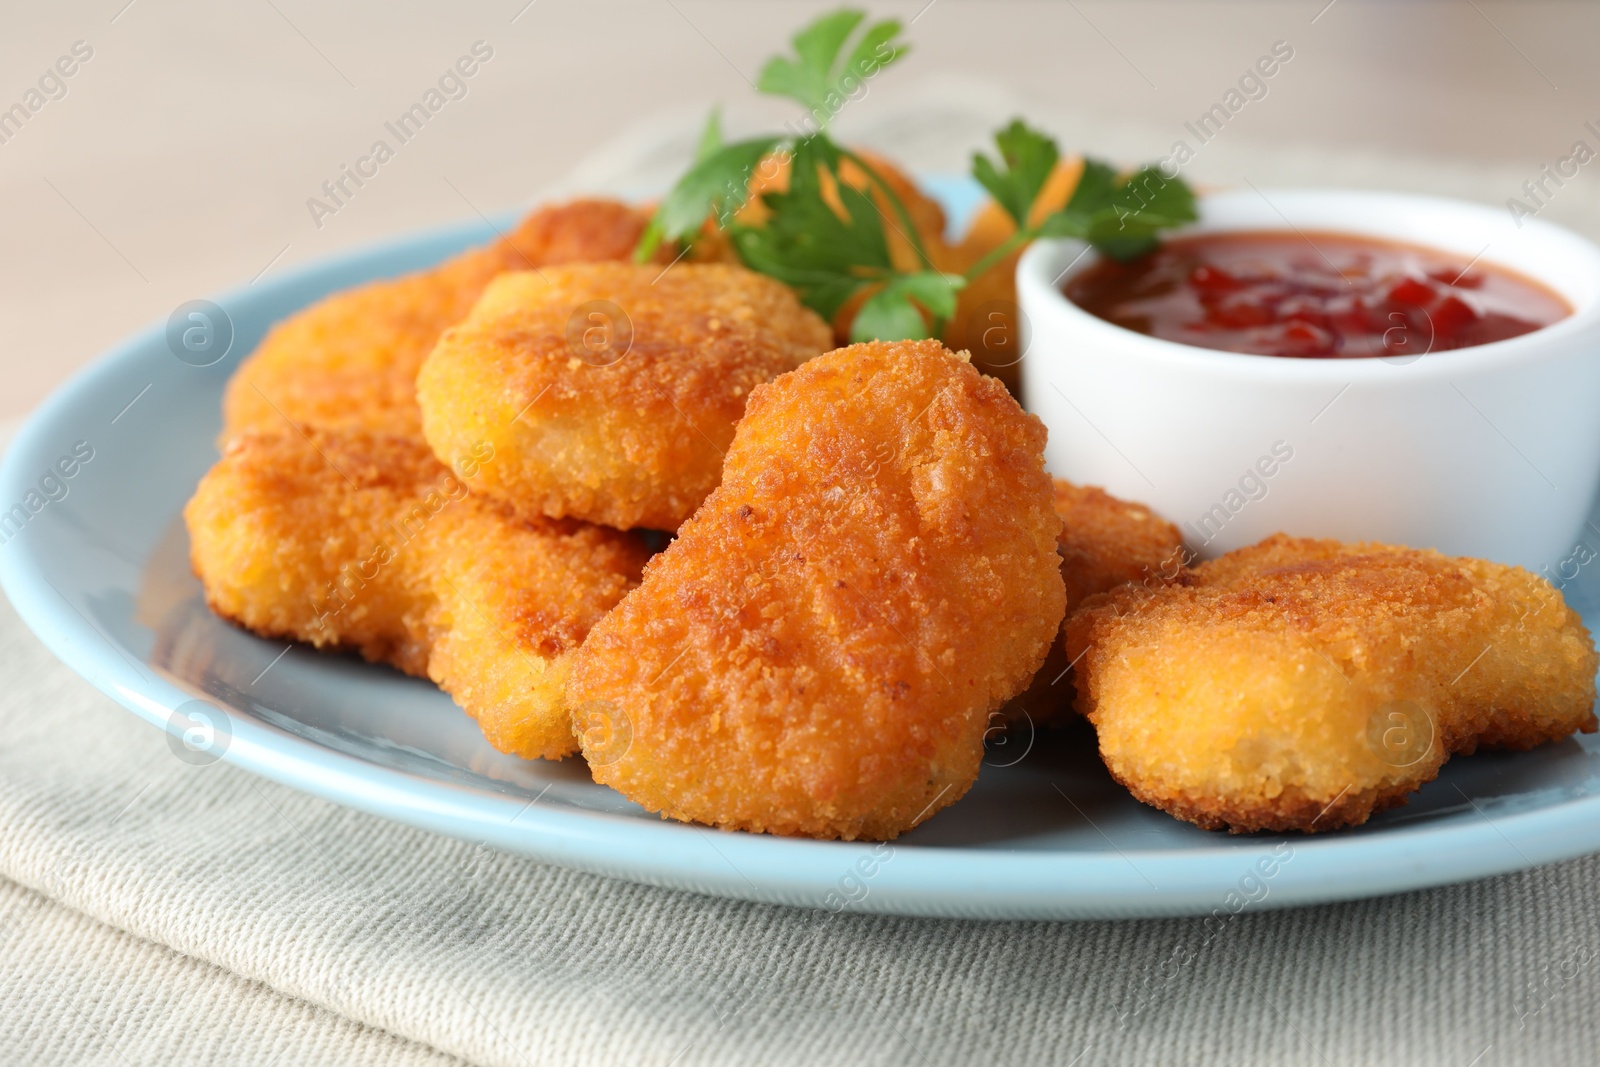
(609, 390)
(350, 360)
(364, 542)
(1303, 684)
(818, 651)
(1105, 541)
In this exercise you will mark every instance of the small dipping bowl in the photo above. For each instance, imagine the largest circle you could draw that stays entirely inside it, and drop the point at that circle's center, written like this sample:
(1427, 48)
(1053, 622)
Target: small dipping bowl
(1490, 451)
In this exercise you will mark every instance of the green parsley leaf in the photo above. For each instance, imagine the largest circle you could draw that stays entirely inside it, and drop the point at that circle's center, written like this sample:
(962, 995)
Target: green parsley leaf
(815, 77)
(889, 315)
(710, 137)
(1027, 158)
(1096, 188)
(717, 185)
(875, 49)
(818, 44)
(822, 254)
(1158, 197)
(1121, 219)
(893, 312)
(933, 290)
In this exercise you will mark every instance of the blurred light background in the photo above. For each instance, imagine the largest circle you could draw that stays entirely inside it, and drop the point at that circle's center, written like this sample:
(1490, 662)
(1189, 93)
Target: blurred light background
(180, 158)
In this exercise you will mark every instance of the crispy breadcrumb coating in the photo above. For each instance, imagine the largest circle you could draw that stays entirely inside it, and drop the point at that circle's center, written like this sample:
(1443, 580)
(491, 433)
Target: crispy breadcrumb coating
(365, 542)
(819, 650)
(1105, 541)
(610, 390)
(1303, 684)
(350, 360)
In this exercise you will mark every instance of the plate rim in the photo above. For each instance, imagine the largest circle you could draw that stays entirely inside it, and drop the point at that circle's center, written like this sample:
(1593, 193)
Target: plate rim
(910, 879)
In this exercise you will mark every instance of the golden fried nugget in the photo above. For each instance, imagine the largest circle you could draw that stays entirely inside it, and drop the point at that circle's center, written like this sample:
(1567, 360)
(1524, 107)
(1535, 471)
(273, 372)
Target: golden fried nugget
(350, 360)
(366, 542)
(610, 390)
(1105, 541)
(1303, 684)
(818, 651)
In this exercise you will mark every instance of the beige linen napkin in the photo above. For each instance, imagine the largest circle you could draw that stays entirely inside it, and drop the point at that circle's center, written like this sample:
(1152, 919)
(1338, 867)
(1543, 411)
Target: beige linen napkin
(203, 915)
(156, 912)
(77, 991)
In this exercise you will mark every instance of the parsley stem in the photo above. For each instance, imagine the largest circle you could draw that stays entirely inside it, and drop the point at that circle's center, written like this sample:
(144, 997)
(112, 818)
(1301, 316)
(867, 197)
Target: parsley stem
(910, 232)
(994, 256)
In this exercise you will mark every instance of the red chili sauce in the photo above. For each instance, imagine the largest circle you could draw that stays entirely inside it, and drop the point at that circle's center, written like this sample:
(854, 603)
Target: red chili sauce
(1313, 295)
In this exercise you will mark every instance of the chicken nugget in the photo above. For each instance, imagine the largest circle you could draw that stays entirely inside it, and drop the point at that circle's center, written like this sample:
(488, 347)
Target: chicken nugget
(1304, 685)
(1105, 541)
(364, 542)
(350, 360)
(819, 650)
(610, 390)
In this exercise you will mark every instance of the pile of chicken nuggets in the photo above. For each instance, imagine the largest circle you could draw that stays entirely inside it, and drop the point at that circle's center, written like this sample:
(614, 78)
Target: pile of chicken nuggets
(467, 474)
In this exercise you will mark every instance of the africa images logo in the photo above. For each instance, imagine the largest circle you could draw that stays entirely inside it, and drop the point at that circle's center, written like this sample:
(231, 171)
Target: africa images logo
(53, 486)
(452, 85)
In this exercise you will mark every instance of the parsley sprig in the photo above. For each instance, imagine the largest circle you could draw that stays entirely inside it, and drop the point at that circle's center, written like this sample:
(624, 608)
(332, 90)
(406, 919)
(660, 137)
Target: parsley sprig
(826, 238)
(1120, 216)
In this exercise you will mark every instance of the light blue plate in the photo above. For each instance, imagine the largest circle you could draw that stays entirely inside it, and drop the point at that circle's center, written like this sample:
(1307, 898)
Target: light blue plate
(101, 574)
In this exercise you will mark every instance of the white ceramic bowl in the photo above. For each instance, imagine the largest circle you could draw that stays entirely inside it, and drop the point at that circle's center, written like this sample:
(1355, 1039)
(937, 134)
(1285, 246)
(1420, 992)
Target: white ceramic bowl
(1491, 451)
